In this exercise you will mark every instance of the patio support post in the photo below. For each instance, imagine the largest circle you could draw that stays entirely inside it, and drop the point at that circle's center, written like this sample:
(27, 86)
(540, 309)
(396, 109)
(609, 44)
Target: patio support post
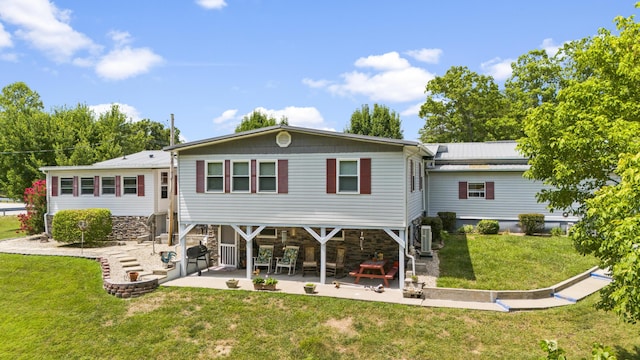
(323, 256)
(401, 250)
(249, 254)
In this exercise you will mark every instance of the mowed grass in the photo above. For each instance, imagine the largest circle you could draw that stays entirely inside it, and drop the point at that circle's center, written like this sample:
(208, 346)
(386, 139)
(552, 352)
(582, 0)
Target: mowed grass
(509, 262)
(9, 225)
(55, 307)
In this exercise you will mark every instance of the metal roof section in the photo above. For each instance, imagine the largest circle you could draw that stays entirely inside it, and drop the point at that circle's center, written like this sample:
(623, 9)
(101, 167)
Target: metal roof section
(481, 167)
(278, 128)
(148, 159)
(497, 152)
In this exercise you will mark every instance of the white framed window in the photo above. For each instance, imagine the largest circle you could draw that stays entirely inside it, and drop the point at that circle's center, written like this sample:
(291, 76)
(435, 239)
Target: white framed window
(215, 176)
(108, 185)
(338, 236)
(164, 185)
(348, 176)
(267, 176)
(66, 186)
(86, 186)
(268, 233)
(130, 185)
(476, 190)
(240, 176)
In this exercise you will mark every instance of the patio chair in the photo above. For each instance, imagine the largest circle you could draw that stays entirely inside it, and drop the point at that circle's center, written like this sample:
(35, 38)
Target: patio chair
(288, 259)
(264, 258)
(310, 263)
(333, 267)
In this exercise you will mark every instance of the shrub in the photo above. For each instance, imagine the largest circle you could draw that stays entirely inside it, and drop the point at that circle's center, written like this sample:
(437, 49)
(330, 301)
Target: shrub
(35, 199)
(466, 229)
(531, 223)
(557, 231)
(65, 225)
(436, 227)
(488, 226)
(448, 220)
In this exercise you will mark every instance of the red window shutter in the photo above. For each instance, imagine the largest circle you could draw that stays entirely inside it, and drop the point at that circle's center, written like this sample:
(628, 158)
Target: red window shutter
(413, 179)
(75, 186)
(365, 176)
(462, 190)
(331, 176)
(175, 184)
(490, 195)
(420, 176)
(96, 186)
(118, 186)
(54, 186)
(140, 185)
(253, 176)
(283, 176)
(227, 176)
(199, 176)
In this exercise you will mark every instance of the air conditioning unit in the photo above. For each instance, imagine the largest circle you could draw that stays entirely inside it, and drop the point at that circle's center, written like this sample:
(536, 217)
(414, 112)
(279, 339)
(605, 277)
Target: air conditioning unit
(425, 241)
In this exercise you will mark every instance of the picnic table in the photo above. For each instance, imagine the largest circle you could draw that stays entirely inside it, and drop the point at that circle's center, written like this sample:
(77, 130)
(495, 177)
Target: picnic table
(374, 269)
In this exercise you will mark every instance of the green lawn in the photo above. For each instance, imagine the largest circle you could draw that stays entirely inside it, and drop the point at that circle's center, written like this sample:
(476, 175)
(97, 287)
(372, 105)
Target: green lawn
(55, 307)
(8, 227)
(509, 262)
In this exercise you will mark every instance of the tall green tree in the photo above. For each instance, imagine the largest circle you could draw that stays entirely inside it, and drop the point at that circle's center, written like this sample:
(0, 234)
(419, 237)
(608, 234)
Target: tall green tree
(583, 142)
(463, 106)
(257, 120)
(379, 122)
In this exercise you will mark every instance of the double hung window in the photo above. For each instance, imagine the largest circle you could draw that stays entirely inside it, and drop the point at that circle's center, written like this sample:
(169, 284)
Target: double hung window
(86, 186)
(267, 179)
(240, 176)
(66, 186)
(348, 176)
(215, 177)
(130, 185)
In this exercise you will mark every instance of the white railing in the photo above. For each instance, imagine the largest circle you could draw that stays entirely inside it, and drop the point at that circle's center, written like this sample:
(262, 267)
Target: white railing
(228, 255)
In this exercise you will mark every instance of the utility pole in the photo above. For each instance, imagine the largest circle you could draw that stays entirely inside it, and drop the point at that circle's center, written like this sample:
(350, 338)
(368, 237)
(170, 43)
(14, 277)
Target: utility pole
(172, 185)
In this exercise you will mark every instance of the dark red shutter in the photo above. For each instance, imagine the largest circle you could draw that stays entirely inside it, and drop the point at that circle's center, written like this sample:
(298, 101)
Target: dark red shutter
(118, 186)
(199, 176)
(140, 185)
(253, 176)
(283, 176)
(75, 186)
(96, 186)
(331, 176)
(175, 184)
(365, 176)
(490, 190)
(420, 176)
(54, 186)
(227, 176)
(462, 190)
(413, 179)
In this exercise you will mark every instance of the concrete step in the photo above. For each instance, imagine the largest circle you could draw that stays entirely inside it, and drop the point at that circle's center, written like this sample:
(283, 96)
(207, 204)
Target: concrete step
(134, 268)
(126, 259)
(129, 264)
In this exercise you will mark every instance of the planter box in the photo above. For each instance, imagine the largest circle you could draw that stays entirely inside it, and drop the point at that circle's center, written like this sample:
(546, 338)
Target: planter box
(264, 287)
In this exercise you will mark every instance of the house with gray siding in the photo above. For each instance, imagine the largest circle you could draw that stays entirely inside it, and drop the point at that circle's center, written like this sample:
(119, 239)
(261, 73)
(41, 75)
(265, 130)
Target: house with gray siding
(134, 187)
(483, 181)
(285, 185)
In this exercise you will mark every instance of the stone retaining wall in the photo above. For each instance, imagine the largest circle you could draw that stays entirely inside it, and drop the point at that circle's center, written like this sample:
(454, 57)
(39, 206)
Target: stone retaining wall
(124, 227)
(127, 289)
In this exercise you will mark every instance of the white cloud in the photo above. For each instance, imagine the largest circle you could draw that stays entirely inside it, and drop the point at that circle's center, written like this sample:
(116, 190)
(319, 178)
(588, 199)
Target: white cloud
(11, 57)
(412, 110)
(226, 116)
(394, 81)
(45, 27)
(126, 62)
(211, 4)
(120, 38)
(498, 68)
(5, 38)
(550, 47)
(297, 116)
(429, 56)
(388, 61)
(131, 112)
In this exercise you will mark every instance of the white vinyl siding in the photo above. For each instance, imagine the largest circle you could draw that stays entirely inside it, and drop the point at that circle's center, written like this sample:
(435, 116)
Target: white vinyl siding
(513, 195)
(306, 202)
(414, 198)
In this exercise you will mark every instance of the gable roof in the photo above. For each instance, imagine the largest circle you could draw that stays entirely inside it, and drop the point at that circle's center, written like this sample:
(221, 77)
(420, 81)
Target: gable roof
(278, 128)
(147, 159)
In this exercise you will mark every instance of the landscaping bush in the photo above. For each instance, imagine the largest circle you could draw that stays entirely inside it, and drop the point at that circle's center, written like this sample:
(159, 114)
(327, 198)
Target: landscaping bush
(436, 227)
(531, 223)
(488, 227)
(65, 225)
(466, 229)
(557, 231)
(448, 220)
(35, 199)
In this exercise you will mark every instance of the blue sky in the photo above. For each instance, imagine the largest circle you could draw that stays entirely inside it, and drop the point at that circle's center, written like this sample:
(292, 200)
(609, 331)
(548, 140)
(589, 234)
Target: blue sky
(210, 62)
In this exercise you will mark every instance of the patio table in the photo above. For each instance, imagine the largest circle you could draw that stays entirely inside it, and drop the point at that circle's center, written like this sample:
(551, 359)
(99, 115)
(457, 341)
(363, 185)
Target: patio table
(372, 270)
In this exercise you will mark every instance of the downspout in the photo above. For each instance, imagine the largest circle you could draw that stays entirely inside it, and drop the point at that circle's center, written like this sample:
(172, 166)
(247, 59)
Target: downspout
(406, 252)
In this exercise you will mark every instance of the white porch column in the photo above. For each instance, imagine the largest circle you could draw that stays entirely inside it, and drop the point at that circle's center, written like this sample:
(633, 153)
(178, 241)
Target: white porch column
(248, 236)
(323, 256)
(401, 257)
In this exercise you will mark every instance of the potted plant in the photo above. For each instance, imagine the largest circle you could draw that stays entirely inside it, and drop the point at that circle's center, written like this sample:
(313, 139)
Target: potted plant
(258, 283)
(270, 283)
(133, 276)
(310, 288)
(232, 283)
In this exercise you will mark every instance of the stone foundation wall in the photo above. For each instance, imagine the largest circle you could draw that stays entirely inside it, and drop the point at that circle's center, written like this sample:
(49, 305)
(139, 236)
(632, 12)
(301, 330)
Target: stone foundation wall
(124, 227)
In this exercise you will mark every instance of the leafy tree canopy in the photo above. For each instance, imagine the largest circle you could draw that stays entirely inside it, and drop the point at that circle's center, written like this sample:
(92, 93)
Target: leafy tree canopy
(32, 138)
(257, 120)
(381, 122)
(582, 139)
(463, 106)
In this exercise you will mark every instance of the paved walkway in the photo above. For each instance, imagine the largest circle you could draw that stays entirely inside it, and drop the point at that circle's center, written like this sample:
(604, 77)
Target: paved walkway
(565, 293)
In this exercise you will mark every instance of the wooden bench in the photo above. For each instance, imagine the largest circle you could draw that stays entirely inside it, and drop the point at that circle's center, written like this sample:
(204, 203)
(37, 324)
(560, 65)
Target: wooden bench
(391, 274)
